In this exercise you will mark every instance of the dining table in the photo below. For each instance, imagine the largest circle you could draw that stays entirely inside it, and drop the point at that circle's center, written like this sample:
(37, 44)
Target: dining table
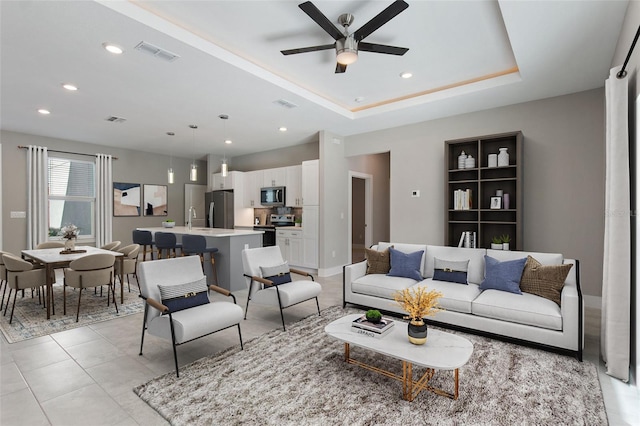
(54, 258)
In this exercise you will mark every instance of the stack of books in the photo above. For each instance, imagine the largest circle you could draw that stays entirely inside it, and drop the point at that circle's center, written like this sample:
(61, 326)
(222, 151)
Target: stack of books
(462, 199)
(368, 328)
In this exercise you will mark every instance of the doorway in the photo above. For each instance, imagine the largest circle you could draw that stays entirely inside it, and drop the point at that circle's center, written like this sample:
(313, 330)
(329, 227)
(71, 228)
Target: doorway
(360, 216)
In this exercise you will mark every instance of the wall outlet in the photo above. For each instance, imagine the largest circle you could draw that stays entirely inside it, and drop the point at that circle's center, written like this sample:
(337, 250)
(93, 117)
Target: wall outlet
(415, 193)
(18, 215)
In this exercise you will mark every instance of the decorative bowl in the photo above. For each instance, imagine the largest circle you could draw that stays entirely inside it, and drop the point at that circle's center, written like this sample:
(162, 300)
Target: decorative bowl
(168, 224)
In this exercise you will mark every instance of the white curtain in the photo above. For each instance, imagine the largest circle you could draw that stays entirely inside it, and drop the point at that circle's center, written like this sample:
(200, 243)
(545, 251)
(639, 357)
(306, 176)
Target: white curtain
(616, 281)
(37, 196)
(104, 200)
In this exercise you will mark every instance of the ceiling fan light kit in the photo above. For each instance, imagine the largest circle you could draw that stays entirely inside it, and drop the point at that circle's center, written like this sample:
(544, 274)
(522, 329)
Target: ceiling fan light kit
(347, 45)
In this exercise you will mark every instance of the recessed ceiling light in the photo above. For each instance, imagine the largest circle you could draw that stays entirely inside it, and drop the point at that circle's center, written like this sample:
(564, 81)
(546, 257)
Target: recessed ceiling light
(44, 111)
(70, 87)
(112, 48)
(406, 74)
(228, 141)
(283, 129)
(359, 99)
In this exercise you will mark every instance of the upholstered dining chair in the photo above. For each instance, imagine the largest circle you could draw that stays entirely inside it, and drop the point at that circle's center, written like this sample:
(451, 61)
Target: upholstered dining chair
(3, 277)
(21, 275)
(50, 244)
(94, 270)
(177, 307)
(145, 239)
(269, 280)
(113, 246)
(197, 244)
(166, 242)
(129, 263)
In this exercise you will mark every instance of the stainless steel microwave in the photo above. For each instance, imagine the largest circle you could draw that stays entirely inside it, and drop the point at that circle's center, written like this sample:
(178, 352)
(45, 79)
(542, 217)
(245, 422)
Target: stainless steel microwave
(273, 197)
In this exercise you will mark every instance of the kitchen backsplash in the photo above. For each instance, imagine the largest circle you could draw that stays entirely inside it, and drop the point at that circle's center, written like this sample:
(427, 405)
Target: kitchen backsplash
(263, 214)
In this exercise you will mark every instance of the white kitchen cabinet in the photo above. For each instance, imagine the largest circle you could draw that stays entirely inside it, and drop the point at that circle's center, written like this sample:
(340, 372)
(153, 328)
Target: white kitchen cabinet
(219, 182)
(274, 177)
(310, 230)
(290, 242)
(311, 183)
(294, 186)
(252, 184)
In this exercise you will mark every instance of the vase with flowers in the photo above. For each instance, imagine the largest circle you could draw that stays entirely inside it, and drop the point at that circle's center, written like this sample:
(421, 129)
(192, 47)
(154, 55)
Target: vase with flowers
(69, 233)
(418, 303)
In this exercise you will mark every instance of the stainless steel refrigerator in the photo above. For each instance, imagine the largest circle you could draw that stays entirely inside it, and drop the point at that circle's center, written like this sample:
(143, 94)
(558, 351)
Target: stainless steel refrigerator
(219, 205)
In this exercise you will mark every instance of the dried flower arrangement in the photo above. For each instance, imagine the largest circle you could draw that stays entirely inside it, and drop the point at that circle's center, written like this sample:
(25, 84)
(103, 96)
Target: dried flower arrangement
(69, 231)
(418, 302)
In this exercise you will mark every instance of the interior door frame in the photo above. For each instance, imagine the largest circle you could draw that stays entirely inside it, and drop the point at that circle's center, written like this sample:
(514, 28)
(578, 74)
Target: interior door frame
(368, 210)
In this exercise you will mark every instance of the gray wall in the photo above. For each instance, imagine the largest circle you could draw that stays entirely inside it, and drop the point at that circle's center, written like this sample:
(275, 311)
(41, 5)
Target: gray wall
(289, 156)
(563, 174)
(131, 166)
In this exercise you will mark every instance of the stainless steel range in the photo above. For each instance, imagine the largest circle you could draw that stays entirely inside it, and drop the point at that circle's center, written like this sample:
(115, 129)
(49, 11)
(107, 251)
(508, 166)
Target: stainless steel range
(275, 220)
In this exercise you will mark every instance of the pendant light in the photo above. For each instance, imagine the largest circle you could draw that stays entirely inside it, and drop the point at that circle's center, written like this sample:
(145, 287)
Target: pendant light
(225, 166)
(193, 174)
(170, 175)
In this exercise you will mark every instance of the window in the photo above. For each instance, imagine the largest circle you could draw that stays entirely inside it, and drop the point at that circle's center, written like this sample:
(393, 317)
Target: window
(72, 196)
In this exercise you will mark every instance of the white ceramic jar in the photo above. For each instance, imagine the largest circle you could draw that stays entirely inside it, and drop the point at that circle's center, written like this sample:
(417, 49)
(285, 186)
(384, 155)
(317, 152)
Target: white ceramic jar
(493, 160)
(462, 158)
(470, 162)
(503, 158)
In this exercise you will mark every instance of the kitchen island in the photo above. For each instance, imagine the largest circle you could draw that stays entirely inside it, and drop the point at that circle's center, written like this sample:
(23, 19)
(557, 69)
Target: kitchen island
(230, 243)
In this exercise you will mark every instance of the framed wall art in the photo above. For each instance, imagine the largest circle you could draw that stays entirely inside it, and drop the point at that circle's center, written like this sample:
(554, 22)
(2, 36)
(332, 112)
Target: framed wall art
(126, 199)
(155, 200)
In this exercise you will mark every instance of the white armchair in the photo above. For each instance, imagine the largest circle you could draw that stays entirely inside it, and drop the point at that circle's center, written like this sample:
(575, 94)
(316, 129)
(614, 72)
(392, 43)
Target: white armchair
(176, 308)
(263, 268)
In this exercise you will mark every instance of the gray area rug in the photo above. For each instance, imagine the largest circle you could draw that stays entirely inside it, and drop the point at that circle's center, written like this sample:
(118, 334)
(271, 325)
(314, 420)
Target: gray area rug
(30, 317)
(299, 377)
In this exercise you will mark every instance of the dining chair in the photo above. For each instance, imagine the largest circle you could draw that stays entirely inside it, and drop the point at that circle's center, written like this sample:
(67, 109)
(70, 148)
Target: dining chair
(94, 270)
(166, 242)
(269, 279)
(50, 244)
(113, 246)
(145, 239)
(3, 277)
(197, 244)
(129, 263)
(21, 275)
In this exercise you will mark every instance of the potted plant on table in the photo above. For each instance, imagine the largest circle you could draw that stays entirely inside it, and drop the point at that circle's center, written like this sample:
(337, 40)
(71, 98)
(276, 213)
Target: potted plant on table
(496, 243)
(298, 221)
(69, 233)
(169, 223)
(418, 303)
(506, 239)
(373, 315)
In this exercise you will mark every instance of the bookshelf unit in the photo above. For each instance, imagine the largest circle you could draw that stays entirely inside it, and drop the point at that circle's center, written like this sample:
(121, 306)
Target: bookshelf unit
(484, 181)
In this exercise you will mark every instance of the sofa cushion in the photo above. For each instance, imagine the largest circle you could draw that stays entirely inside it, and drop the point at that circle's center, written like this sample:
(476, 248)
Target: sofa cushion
(405, 264)
(475, 271)
(407, 248)
(378, 262)
(544, 258)
(545, 281)
(504, 276)
(453, 271)
(523, 308)
(379, 285)
(455, 297)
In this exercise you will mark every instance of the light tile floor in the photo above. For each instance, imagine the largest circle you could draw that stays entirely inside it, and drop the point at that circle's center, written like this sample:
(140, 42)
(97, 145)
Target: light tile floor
(85, 376)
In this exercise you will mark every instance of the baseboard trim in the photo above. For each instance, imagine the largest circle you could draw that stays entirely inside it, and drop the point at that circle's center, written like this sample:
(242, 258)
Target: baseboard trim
(328, 272)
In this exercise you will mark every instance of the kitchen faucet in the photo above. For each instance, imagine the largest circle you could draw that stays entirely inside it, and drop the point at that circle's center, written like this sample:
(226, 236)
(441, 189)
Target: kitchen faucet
(192, 215)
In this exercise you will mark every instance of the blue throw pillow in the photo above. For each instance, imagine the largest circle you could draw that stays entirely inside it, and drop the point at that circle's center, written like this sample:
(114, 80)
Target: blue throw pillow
(184, 296)
(503, 276)
(405, 264)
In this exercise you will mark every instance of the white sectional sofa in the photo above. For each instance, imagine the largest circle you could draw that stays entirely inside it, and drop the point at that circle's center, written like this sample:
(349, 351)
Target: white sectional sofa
(521, 317)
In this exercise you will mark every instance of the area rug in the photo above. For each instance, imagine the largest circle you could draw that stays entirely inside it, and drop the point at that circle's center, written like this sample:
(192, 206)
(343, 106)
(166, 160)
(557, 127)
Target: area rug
(299, 377)
(30, 317)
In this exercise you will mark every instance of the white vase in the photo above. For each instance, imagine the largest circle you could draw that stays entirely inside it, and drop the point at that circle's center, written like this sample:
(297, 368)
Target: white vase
(505, 246)
(70, 244)
(503, 158)
(462, 158)
(496, 246)
(470, 162)
(493, 160)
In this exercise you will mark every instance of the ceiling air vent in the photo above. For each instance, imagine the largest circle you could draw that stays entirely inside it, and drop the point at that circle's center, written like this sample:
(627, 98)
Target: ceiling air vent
(156, 51)
(115, 119)
(285, 103)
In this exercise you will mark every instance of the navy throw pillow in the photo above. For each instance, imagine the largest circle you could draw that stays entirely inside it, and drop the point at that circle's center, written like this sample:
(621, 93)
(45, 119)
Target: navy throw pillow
(184, 296)
(278, 274)
(405, 264)
(454, 271)
(504, 276)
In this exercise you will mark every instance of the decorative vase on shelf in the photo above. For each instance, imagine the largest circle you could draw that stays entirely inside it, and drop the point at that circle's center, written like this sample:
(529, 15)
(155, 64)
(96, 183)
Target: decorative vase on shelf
(470, 162)
(417, 331)
(461, 160)
(505, 201)
(70, 244)
(505, 246)
(503, 158)
(493, 160)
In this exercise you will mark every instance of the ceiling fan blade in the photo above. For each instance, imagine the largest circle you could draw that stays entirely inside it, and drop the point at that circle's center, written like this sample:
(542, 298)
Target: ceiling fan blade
(340, 68)
(324, 22)
(380, 19)
(308, 49)
(382, 48)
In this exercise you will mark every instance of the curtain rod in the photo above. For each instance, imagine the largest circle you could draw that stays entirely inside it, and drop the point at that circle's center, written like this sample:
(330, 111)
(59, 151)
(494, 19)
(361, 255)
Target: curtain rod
(623, 73)
(66, 152)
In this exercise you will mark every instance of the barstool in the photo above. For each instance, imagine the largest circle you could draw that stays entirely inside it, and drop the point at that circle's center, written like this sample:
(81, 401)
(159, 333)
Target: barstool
(145, 239)
(197, 244)
(166, 241)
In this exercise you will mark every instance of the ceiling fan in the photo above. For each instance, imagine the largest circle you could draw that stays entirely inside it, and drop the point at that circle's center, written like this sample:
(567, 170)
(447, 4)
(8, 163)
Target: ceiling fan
(347, 45)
